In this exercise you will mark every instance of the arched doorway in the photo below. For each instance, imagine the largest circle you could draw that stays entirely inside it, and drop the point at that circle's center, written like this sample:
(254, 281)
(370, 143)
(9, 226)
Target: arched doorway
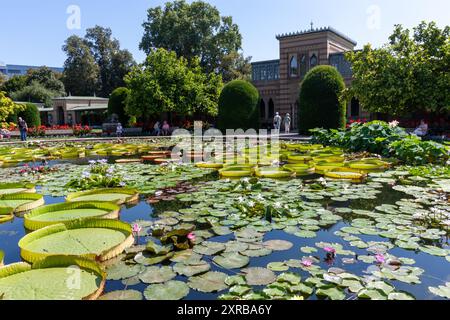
(61, 120)
(271, 109)
(262, 109)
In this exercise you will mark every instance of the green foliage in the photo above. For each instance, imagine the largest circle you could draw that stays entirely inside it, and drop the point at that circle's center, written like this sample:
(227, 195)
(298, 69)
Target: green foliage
(80, 69)
(31, 115)
(13, 84)
(7, 107)
(98, 175)
(238, 106)
(407, 75)
(414, 151)
(35, 92)
(165, 83)
(320, 104)
(117, 104)
(196, 30)
(385, 139)
(47, 78)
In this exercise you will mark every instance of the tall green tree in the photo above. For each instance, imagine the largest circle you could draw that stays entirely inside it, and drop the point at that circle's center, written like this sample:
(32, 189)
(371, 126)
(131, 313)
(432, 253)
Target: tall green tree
(409, 74)
(113, 62)
(13, 84)
(193, 30)
(35, 92)
(166, 83)
(81, 71)
(7, 107)
(48, 78)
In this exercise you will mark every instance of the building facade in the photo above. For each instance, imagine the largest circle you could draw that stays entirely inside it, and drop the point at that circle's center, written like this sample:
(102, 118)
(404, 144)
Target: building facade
(73, 110)
(10, 70)
(278, 81)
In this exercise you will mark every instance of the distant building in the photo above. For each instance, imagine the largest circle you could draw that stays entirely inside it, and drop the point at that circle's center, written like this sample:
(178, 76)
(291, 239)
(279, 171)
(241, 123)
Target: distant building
(10, 70)
(73, 110)
(278, 81)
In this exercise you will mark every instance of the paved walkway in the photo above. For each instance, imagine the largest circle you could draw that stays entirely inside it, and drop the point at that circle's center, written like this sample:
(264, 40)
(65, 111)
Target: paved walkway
(291, 136)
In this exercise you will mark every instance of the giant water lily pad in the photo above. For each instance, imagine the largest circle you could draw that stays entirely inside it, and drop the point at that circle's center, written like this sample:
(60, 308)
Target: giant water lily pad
(63, 212)
(21, 201)
(155, 274)
(99, 239)
(52, 279)
(2, 255)
(171, 290)
(115, 195)
(9, 188)
(259, 276)
(209, 282)
(6, 214)
(231, 260)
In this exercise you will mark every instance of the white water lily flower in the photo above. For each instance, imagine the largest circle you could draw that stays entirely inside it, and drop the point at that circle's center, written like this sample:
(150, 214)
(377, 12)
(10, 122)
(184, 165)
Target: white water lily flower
(259, 197)
(277, 205)
(251, 203)
(246, 180)
(241, 199)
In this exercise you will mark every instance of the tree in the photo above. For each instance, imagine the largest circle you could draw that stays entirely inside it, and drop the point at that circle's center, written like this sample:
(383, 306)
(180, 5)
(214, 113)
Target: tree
(320, 105)
(48, 78)
(80, 69)
(117, 104)
(30, 113)
(36, 92)
(238, 106)
(409, 74)
(113, 63)
(165, 83)
(7, 107)
(14, 83)
(193, 30)
(235, 66)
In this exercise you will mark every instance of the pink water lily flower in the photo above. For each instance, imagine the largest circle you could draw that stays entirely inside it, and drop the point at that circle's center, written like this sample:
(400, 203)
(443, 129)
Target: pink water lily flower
(191, 236)
(307, 263)
(330, 250)
(380, 258)
(136, 228)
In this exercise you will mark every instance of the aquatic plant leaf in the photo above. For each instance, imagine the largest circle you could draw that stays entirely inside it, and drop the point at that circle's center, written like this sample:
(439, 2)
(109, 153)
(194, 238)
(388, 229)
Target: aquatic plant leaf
(211, 281)
(231, 260)
(156, 274)
(171, 290)
(256, 276)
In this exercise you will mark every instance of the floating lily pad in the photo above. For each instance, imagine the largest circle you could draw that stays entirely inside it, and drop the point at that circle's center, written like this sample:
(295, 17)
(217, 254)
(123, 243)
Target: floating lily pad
(171, 290)
(231, 260)
(209, 248)
(211, 281)
(278, 245)
(122, 295)
(190, 270)
(259, 276)
(155, 274)
(121, 271)
(331, 292)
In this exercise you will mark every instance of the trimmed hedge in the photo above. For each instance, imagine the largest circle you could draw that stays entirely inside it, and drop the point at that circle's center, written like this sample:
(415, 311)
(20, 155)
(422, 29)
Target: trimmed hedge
(238, 106)
(117, 103)
(30, 114)
(319, 104)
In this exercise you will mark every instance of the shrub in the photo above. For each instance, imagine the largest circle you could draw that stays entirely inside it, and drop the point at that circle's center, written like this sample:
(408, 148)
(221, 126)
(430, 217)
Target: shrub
(238, 106)
(385, 139)
(412, 150)
(319, 102)
(30, 114)
(117, 103)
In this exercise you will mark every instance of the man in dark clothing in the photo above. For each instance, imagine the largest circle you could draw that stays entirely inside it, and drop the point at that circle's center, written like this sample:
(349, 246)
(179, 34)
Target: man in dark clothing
(23, 127)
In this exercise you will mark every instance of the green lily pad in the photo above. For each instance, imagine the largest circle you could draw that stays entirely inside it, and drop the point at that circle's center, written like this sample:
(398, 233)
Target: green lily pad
(122, 295)
(278, 245)
(277, 266)
(190, 270)
(171, 290)
(331, 292)
(121, 271)
(209, 282)
(209, 248)
(256, 276)
(231, 260)
(155, 274)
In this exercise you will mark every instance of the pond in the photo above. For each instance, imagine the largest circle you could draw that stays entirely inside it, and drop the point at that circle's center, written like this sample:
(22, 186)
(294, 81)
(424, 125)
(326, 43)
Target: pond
(262, 238)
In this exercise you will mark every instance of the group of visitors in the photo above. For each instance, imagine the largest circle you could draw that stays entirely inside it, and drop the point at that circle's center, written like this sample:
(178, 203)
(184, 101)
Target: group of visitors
(277, 121)
(163, 130)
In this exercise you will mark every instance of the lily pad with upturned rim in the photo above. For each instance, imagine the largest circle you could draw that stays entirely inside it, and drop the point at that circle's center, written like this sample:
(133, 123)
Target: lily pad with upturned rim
(115, 195)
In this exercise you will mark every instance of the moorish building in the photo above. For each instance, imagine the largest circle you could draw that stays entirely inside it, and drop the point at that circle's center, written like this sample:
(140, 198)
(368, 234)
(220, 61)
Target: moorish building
(278, 81)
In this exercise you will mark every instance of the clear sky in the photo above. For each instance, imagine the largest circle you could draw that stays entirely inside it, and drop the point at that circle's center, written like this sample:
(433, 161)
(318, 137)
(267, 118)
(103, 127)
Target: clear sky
(33, 31)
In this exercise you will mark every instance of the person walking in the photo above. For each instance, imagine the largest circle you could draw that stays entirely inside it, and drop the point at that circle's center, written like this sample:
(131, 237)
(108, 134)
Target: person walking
(23, 128)
(287, 123)
(119, 130)
(277, 121)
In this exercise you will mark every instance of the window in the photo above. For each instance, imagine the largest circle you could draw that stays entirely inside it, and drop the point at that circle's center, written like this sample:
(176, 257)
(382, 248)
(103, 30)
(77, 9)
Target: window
(313, 61)
(303, 65)
(293, 67)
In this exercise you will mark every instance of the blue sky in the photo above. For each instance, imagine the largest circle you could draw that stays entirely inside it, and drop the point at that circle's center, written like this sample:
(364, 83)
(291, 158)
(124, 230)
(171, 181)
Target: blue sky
(33, 32)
